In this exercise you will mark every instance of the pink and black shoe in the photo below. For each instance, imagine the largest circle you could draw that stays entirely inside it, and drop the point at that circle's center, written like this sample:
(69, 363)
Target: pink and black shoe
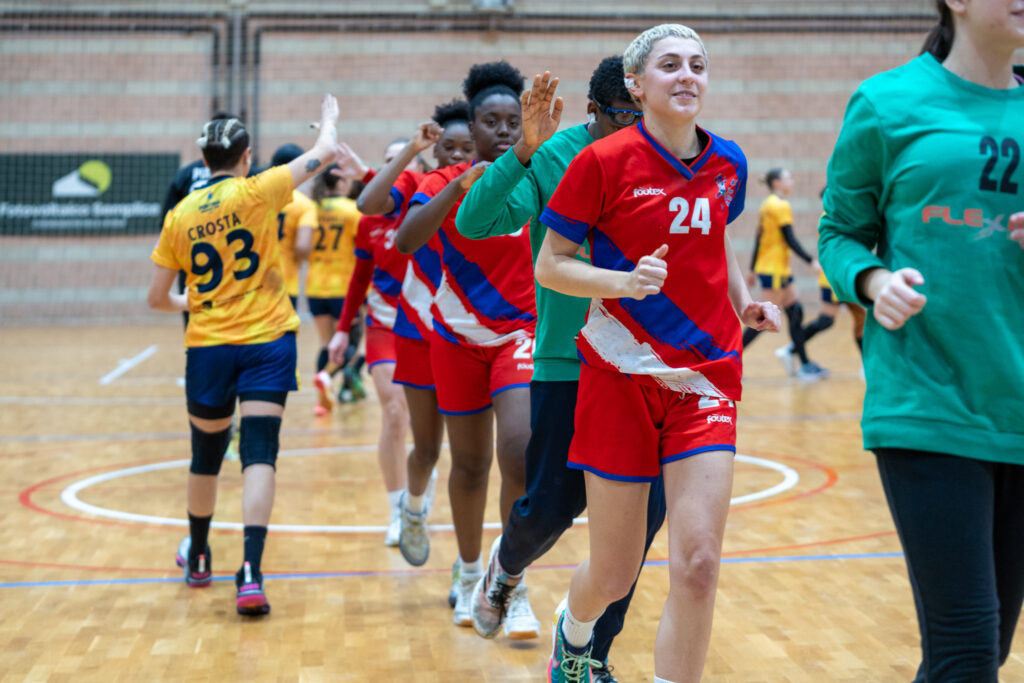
(199, 573)
(251, 600)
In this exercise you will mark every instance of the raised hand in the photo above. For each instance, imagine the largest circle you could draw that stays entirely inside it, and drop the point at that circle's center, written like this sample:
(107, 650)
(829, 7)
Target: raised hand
(649, 275)
(542, 112)
(329, 111)
(349, 164)
(427, 135)
(897, 300)
(472, 174)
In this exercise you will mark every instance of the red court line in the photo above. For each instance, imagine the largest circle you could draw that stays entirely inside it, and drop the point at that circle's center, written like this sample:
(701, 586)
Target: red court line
(25, 498)
(831, 477)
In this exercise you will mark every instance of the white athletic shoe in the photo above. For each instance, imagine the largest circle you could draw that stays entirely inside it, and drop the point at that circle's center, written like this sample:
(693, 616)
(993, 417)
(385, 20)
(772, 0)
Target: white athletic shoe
(453, 592)
(463, 615)
(786, 357)
(394, 531)
(520, 623)
(428, 495)
(812, 372)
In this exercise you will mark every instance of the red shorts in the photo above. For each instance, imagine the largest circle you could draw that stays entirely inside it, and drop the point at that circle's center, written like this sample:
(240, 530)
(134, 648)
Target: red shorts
(469, 376)
(627, 431)
(380, 345)
(413, 367)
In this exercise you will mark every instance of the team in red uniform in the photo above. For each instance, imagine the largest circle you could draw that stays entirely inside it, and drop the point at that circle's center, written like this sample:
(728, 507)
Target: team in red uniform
(661, 348)
(483, 319)
(683, 341)
(483, 311)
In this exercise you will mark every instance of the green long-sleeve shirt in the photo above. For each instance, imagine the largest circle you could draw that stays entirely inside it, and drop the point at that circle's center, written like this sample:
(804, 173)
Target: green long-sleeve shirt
(925, 174)
(501, 202)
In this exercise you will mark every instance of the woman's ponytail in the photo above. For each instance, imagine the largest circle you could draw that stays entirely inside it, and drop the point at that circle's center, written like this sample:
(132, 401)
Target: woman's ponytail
(940, 40)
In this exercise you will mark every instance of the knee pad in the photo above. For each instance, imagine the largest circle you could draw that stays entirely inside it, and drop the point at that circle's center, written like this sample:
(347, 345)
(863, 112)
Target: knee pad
(208, 450)
(258, 440)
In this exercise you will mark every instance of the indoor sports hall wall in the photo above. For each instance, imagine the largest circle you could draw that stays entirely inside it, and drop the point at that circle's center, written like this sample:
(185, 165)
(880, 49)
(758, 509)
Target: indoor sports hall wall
(100, 102)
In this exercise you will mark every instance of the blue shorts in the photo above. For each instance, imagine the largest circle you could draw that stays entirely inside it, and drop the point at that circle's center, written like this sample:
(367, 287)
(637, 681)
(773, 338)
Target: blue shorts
(331, 307)
(216, 375)
(774, 281)
(828, 296)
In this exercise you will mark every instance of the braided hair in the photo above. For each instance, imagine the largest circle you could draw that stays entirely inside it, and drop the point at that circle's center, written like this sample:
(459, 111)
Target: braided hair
(223, 141)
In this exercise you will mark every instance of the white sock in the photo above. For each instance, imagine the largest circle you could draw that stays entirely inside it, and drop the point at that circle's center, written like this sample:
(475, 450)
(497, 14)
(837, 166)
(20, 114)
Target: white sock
(394, 497)
(414, 503)
(577, 633)
(475, 567)
(661, 680)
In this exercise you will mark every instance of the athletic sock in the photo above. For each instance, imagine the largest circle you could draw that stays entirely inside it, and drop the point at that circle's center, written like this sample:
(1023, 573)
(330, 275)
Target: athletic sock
(475, 567)
(394, 498)
(414, 503)
(255, 537)
(199, 529)
(577, 633)
(321, 359)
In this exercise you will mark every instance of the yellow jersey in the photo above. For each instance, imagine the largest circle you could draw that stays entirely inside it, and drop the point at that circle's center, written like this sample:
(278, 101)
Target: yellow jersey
(772, 251)
(822, 280)
(301, 210)
(224, 236)
(333, 258)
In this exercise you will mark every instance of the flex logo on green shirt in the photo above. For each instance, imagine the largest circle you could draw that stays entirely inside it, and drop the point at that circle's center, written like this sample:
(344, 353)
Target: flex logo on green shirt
(973, 218)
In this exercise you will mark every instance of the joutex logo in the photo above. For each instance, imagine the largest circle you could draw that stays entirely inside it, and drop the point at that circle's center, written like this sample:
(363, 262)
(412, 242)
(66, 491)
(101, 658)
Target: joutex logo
(719, 418)
(648, 191)
(973, 218)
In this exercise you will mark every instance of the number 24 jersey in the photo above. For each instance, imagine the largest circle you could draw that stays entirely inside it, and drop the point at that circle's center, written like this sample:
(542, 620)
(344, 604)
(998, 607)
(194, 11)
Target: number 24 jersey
(224, 236)
(627, 195)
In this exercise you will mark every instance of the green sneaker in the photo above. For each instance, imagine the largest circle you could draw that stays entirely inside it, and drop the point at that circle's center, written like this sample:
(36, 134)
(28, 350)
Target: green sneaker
(354, 383)
(566, 666)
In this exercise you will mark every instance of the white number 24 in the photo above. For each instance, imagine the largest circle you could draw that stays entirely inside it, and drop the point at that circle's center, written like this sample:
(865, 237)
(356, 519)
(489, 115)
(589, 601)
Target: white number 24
(701, 218)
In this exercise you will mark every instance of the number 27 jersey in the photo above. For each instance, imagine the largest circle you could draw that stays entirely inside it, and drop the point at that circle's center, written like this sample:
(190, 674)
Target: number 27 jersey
(627, 195)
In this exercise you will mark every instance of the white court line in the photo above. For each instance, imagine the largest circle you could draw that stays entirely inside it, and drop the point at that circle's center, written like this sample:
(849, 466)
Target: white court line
(126, 364)
(70, 495)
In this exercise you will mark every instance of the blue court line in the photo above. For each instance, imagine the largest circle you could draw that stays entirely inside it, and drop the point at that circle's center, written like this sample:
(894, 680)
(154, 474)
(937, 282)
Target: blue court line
(399, 572)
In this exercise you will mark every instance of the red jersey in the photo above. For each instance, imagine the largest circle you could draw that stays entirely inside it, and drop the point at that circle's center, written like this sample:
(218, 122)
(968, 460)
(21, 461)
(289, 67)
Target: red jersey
(628, 195)
(375, 241)
(379, 267)
(413, 319)
(486, 293)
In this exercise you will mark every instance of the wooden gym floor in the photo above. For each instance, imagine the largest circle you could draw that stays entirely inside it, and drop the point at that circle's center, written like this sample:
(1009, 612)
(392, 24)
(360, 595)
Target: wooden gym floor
(93, 452)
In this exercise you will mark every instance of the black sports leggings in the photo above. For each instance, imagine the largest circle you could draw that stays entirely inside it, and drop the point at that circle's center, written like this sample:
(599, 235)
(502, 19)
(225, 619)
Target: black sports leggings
(961, 523)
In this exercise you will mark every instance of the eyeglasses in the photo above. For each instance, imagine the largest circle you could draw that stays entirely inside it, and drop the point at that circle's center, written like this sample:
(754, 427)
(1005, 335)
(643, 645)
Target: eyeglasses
(621, 117)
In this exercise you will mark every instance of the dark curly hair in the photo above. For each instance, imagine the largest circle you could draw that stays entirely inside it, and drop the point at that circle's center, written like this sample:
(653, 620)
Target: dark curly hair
(608, 82)
(456, 111)
(492, 78)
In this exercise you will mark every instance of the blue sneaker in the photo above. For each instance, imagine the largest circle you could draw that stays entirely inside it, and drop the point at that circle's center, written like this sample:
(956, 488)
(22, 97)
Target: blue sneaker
(198, 574)
(566, 666)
